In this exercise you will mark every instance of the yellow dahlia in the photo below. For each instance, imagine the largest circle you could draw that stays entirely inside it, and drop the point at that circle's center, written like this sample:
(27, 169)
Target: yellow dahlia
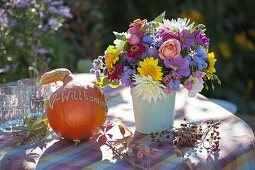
(149, 67)
(111, 57)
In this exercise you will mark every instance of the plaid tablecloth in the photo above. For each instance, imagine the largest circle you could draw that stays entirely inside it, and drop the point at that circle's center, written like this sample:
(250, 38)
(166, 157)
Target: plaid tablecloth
(237, 148)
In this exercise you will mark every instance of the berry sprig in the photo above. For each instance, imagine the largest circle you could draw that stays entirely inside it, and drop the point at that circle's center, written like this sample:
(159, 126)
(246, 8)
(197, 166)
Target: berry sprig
(191, 134)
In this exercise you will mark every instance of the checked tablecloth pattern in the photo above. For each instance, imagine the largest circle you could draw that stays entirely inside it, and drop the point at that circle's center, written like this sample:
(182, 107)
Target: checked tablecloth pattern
(237, 148)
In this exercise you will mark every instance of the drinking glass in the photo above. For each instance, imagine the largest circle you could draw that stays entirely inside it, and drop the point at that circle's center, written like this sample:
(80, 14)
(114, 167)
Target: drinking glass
(11, 110)
(34, 96)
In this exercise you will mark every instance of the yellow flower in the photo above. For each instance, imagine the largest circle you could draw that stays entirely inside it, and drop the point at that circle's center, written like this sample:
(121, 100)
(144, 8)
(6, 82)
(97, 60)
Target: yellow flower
(211, 61)
(225, 50)
(149, 67)
(242, 41)
(111, 57)
(194, 15)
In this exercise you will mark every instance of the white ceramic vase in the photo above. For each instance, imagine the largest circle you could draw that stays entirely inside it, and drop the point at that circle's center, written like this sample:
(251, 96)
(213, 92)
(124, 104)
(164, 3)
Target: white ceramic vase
(153, 117)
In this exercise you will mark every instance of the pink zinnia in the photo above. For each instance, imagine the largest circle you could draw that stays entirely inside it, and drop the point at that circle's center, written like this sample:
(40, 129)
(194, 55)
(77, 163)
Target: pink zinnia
(168, 34)
(135, 50)
(115, 72)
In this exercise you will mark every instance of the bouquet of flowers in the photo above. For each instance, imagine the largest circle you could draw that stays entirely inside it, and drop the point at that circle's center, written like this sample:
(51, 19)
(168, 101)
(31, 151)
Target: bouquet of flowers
(156, 57)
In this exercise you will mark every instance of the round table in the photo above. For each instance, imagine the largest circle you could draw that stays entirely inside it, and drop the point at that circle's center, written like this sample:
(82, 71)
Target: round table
(237, 149)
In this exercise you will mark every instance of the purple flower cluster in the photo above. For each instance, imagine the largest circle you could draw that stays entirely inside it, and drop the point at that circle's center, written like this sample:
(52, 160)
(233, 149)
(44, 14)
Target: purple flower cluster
(42, 16)
(3, 20)
(21, 3)
(127, 75)
(98, 67)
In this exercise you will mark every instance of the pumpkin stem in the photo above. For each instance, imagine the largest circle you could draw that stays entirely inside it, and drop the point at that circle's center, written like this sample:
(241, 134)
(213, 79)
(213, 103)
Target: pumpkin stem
(54, 75)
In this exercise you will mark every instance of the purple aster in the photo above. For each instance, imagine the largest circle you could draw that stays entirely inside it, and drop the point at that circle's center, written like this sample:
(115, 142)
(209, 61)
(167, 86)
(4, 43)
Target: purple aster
(127, 75)
(57, 3)
(54, 23)
(187, 39)
(3, 19)
(47, 1)
(157, 41)
(64, 12)
(152, 52)
(20, 3)
(179, 65)
(174, 84)
(201, 37)
(52, 9)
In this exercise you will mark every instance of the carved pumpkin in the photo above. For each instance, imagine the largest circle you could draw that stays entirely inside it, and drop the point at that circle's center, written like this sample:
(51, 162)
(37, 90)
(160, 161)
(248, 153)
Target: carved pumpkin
(76, 108)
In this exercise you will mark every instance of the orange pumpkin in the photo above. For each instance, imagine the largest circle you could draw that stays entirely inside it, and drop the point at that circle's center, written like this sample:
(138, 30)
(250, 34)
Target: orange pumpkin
(76, 108)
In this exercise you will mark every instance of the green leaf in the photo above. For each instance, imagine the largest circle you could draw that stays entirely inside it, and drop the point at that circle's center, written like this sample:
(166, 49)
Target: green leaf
(114, 84)
(199, 26)
(104, 82)
(160, 17)
(119, 36)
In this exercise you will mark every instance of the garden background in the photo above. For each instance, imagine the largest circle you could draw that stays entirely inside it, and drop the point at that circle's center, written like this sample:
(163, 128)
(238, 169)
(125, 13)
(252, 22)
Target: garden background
(72, 41)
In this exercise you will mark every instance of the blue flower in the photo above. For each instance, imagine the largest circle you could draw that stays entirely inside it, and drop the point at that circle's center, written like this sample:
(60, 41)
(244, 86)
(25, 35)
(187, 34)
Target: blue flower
(174, 84)
(201, 64)
(201, 53)
(147, 39)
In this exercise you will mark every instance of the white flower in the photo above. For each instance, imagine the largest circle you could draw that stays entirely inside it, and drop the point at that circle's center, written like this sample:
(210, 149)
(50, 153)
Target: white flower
(178, 25)
(197, 85)
(119, 44)
(148, 88)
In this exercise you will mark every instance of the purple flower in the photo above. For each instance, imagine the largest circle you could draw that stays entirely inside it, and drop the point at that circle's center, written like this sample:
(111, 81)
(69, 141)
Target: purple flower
(47, 1)
(3, 19)
(64, 12)
(157, 41)
(52, 9)
(179, 65)
(187, 39)
(54, 23)
(174, 84)
(201, 37)
(57, 3)
(43, 51)
(20, 3)
(152, 52)
(127, 75)
(5, 69)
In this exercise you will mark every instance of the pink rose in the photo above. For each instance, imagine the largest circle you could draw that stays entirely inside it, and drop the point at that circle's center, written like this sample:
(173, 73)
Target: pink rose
(170, 49)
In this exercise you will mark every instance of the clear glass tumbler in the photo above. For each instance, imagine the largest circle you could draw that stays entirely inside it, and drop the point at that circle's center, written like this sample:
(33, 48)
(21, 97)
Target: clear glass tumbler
(34, 95)
(11, 110)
